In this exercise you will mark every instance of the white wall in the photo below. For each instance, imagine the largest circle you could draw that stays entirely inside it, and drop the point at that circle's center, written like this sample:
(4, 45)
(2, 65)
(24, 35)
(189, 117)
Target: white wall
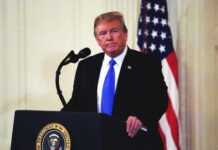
(35, 35)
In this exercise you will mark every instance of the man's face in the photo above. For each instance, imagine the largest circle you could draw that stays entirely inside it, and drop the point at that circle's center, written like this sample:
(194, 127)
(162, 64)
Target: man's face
(110, 37)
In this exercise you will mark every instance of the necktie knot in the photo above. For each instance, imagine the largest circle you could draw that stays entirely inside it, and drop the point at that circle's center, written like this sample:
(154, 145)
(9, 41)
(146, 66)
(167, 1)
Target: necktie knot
(112, 62)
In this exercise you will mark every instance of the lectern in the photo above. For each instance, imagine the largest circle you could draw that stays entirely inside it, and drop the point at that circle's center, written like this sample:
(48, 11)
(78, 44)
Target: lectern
(51, 130)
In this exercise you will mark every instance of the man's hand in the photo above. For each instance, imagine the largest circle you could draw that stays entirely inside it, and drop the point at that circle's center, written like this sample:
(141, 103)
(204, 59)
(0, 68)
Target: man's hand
(133, 124)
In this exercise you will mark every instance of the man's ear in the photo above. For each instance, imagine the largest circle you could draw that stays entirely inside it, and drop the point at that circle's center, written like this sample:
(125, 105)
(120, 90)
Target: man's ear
(126, 35)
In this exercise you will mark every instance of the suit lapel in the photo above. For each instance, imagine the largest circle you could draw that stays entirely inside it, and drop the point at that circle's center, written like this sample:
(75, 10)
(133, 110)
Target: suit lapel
(124, 76)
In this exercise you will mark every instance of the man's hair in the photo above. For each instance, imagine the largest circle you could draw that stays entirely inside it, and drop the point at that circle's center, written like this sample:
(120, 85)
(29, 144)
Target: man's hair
(109, 16)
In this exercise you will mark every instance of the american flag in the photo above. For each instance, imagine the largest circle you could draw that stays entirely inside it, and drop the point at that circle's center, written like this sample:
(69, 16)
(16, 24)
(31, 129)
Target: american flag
(154, 37)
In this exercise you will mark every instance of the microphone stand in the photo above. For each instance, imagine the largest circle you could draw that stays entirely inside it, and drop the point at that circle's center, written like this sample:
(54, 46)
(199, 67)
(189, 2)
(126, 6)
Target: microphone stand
(58, 72)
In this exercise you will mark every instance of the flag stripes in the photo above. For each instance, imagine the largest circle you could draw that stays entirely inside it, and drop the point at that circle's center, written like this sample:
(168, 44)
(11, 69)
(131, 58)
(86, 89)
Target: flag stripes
(154, 37)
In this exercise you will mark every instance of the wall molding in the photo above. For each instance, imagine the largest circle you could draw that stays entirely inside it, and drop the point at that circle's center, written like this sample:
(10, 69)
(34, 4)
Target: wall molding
(22, 54)
(183, 87)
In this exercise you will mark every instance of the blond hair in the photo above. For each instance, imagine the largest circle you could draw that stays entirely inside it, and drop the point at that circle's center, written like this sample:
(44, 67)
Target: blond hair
(109, 16)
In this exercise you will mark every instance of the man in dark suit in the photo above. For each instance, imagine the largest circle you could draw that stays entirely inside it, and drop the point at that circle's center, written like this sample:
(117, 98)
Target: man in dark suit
(140, 94)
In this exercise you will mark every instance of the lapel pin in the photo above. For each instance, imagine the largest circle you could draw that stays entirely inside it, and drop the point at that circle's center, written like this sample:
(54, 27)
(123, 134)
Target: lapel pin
(129, 67)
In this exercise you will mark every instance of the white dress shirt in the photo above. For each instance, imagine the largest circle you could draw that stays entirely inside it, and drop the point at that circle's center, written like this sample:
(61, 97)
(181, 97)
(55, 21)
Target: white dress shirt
(104, 69)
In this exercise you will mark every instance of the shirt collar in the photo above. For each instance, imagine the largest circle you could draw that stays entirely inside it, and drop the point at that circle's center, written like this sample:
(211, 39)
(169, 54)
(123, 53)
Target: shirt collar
(119, 59)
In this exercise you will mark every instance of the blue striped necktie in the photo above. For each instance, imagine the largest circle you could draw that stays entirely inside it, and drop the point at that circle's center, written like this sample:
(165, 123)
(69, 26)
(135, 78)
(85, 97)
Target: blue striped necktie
(108, 90)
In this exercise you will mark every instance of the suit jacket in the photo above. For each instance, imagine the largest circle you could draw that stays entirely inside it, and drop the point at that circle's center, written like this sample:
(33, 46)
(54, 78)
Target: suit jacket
(140, 91)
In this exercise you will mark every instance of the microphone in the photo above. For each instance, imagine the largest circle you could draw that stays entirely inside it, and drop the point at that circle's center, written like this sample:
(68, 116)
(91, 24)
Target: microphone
(72, 57)
(84, 53)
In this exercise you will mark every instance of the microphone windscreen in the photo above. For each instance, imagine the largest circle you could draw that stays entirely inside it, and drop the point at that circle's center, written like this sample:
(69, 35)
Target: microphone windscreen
(84, 53)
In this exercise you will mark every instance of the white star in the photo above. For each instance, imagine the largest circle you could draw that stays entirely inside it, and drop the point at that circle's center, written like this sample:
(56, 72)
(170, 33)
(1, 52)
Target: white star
(155, 20)
(163, 9)
(156, 7)
(140, 32)
(162, 48)
(163, 35)
(140, 18)
(145, 45)
(146, 32)
(148, 6)
(152, 47)
(164, 22)
(148, 19)
(154, 34)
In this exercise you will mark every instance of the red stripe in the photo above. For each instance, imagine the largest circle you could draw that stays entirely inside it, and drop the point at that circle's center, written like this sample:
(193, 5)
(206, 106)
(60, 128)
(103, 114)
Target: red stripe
(172, 61)
(173, 122)
(163, 137)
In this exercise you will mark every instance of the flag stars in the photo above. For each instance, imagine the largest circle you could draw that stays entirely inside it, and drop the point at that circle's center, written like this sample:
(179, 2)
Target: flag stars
(145, 45)
(164, 22)
(162, 48)
(146, 32)
(163, 35)
(140, 32)
(155, 21)
(148, 19)
(140, 19)
(163, 9)
(156, 7)
(148, 6)
(153, 30)
(154, 34)
(152, 47)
